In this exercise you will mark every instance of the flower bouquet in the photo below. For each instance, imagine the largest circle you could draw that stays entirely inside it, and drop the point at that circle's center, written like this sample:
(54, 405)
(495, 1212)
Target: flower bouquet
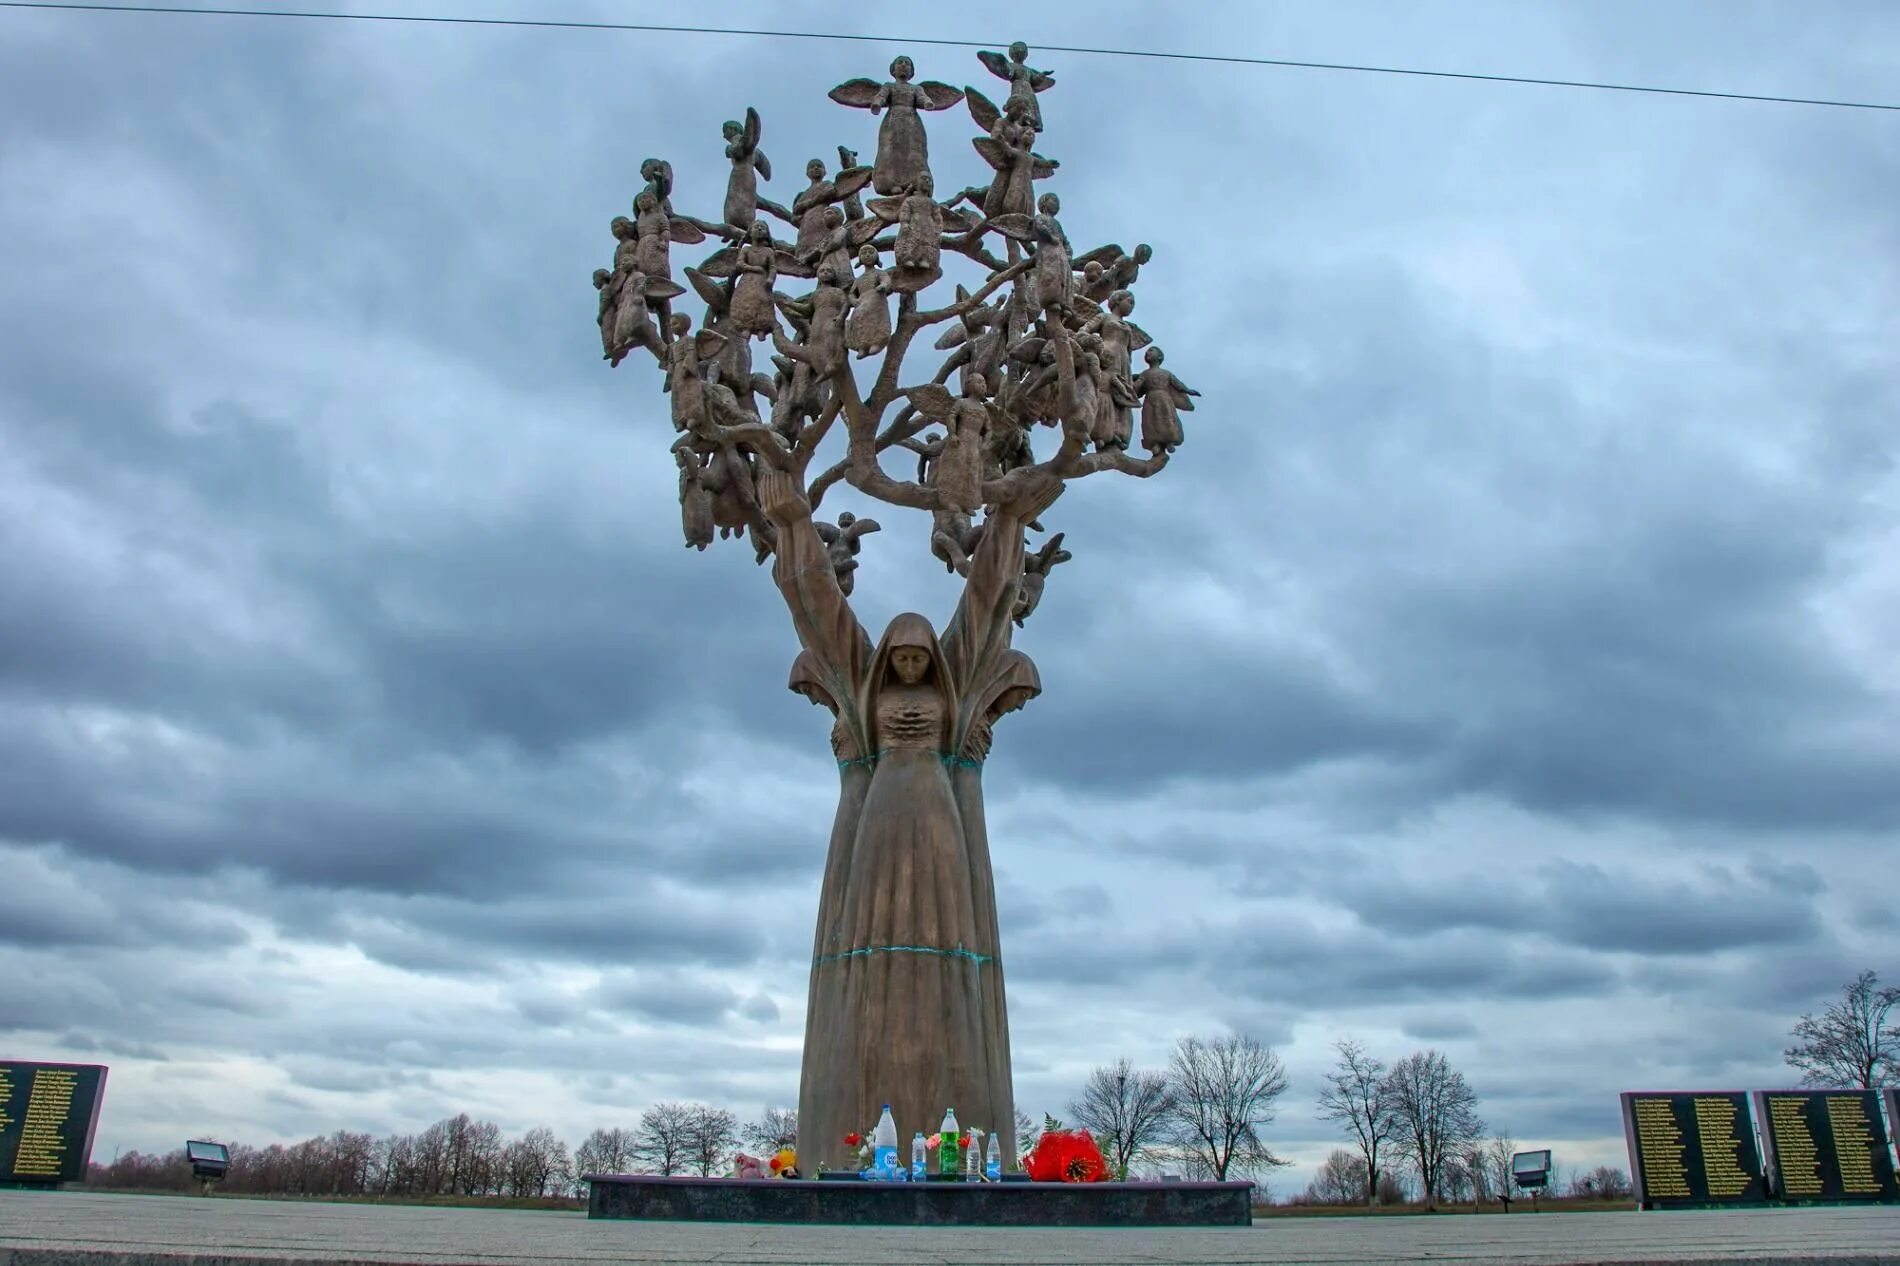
(1066, 1156)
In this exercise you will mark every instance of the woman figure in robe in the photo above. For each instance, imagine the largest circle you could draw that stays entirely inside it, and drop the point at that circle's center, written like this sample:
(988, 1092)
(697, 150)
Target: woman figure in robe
(905, 958)
(1163, 399)
(756, 269)
(868, 329)
(810, 206)
(903, 152)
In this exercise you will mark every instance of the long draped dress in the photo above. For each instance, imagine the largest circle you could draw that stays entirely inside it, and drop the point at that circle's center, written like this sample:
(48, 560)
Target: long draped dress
(906, 1003)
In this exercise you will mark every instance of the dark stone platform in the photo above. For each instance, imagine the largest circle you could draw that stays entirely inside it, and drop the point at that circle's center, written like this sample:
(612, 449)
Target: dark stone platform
(920, 1204)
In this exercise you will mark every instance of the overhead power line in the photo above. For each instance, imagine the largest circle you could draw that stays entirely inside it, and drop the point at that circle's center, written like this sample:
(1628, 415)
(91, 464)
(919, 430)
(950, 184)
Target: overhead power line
(1226, 59)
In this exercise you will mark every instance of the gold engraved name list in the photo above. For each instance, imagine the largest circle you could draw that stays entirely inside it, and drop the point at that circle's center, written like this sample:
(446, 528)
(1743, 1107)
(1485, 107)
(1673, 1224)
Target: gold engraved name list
(43, 1138)
(1715, 1123)
(1660, 1143)
(1853, 1144)
(1794, 1147)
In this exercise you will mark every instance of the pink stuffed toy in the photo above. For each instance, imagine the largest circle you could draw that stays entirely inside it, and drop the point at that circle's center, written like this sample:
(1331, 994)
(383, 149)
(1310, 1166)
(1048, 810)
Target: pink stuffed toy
(744, 1166)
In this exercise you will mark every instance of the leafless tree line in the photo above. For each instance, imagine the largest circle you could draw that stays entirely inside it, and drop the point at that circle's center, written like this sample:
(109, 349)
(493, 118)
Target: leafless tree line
(1204, 1115)
(460, 1156)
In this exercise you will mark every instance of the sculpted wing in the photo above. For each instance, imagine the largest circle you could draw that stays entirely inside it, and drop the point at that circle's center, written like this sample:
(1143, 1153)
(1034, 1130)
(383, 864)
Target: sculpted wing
(1104, 255)
(849, 181)
(685, 233)
(1014, 224)
(993, 154)
(660, 288)
(1041, 80)
(938, 96)
(982, 109)
(1043, 167)
(711, 291)
(886, 209)
(864, 230)
(752, 129)
(933, 401)
(721, 264)
(1138, 338)
(861, 93)
(995, 63)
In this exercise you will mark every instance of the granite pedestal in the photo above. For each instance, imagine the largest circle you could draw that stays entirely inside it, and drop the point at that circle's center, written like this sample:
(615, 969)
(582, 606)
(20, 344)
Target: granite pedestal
(920, 1204)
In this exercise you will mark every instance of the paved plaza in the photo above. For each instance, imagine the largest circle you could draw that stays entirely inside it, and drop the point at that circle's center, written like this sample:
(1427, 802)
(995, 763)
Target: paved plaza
(56, 1228)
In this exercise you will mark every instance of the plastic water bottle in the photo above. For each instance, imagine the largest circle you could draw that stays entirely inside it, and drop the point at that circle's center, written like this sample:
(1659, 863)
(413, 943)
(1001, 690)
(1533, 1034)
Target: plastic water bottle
(993, 1164)
(917, 1153)
(973, 1163)
(884, 1146)
(947, 1168)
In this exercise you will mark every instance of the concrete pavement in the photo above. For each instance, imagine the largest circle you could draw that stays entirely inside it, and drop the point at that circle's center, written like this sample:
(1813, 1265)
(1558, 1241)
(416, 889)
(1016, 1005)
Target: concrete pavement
(75, 1228)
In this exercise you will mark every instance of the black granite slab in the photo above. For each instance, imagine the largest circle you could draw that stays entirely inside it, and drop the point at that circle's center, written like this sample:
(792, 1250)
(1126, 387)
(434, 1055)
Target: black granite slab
(920, 1204)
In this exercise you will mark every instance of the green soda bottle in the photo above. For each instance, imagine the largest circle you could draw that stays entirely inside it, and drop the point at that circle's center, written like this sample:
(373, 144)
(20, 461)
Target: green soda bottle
(948, 1170)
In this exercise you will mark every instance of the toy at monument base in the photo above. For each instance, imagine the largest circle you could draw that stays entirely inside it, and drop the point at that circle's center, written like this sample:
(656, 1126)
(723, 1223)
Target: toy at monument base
(1066, 1156)
(1036, 352)
(744, 1166)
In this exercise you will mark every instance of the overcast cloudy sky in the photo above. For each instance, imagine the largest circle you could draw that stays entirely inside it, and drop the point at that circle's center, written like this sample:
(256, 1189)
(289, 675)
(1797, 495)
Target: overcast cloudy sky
(1509, 663)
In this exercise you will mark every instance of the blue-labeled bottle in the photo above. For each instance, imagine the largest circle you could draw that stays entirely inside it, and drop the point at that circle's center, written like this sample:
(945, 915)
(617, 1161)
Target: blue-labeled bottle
(918, 1152)
(884, 1146)
(993, 1163)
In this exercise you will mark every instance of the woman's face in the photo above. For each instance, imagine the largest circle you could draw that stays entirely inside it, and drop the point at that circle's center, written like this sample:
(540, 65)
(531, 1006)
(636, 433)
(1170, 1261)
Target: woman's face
(910, 663)
(902, 69)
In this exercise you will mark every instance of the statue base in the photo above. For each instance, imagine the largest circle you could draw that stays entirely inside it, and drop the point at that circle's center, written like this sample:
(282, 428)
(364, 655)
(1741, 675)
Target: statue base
(857, 1203)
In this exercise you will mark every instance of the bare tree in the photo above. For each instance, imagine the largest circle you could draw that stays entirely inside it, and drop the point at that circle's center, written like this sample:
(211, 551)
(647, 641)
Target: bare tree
(1437, 1115)
(1127, 1110)
(1224, 1090)
(1605, 1182)
(1341, 1179)
(1853, 1042)
(1355, 1097)
(1496, 1163)
(711, 1136)
(776, 1125)
(664, 1141)
(606, 1152)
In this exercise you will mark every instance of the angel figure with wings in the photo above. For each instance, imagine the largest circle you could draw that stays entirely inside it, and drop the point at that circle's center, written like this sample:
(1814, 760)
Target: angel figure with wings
(1107, 269)
(957, 473)
(917, 254)
(1010, 150)
(749, 166)
(1163, 399)
(903, 152)
(1036, 568)
(820, 196)
(1120, 336)
(656, 231)
(633, 290)
(683, 357)
(977, 340)
(1024, 81)
(868, 329)
(819, 318)
(842, 544)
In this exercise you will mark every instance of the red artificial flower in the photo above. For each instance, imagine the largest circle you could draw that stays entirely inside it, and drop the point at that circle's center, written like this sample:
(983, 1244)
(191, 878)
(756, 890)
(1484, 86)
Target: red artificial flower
(1066, 1156)
(775, 1164)
(853, 1139)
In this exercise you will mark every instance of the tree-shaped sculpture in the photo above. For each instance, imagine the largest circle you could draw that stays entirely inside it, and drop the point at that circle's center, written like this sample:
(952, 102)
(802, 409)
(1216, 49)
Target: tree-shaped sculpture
(906, 994)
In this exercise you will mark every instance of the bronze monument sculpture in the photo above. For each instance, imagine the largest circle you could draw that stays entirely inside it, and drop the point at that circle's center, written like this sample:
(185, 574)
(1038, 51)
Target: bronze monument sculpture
(906, 1002)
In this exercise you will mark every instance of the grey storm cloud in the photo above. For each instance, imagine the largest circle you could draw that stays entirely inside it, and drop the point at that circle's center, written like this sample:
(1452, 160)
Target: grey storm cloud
(1509, 648)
